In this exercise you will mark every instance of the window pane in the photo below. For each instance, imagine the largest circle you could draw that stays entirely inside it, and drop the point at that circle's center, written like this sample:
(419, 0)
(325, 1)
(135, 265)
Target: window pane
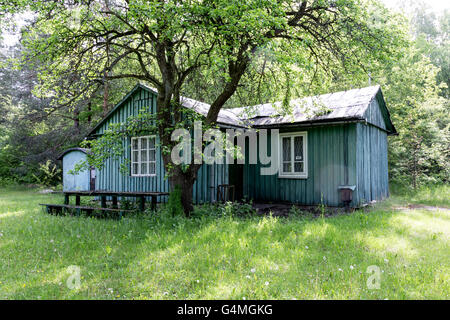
(151, 143)
(134, 144)
(143, 168)
(152, 154)
(144, 156)
(287, 167)
(298, 149)
(135, 168)
(135, 156)
(287, 149)
(143, 143)
(298, 167)
(152, 168)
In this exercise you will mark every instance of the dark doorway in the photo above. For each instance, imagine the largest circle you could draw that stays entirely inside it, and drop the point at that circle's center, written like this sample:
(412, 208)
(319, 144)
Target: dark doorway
(236, 178)
(92, 179)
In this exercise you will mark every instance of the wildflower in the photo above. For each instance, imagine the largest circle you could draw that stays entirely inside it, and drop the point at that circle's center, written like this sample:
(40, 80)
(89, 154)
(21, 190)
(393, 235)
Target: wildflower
(306, 247)
(52, 241)
(253, 270)
(198, 281)
(340, 270)
(386, 260)
(324, 258)
(351, 267)
(247, 276)
(165, 293)
(243, 298)
(266, 283)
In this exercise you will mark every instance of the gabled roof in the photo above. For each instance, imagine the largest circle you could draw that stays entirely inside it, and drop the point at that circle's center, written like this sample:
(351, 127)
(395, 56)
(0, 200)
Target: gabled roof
(351, 105)
(332, 107)
(225, 116)
(73, 149)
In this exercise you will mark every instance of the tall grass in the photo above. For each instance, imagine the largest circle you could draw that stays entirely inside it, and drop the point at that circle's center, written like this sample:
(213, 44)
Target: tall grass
(221, 255)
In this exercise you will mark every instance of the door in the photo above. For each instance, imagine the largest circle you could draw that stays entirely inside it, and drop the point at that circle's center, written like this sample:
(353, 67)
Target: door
(92, 179)
(236, 178)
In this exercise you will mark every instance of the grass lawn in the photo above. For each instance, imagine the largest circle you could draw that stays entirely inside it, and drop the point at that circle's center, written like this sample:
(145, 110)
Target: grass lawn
(226, 257)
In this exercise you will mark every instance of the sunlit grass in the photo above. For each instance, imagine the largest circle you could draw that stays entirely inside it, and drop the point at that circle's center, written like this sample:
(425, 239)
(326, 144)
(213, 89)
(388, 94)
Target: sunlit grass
(228, 257)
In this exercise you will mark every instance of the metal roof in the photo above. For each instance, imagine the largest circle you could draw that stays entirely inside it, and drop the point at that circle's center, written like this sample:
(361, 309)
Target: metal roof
(73, 149)
(332, 107)
(350, 104)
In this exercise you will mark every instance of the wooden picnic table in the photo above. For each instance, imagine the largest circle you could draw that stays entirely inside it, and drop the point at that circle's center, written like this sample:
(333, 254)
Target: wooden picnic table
(114, 194)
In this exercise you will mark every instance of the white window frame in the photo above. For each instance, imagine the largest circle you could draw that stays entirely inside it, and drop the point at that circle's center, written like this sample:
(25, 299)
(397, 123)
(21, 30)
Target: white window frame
(138, 161)
(293, 175)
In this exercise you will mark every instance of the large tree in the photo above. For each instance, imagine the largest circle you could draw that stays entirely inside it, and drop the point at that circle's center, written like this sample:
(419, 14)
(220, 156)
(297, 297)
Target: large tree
(167, 43)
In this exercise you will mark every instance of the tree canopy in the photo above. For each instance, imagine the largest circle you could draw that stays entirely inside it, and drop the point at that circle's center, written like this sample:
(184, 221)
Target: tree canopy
(85, 54)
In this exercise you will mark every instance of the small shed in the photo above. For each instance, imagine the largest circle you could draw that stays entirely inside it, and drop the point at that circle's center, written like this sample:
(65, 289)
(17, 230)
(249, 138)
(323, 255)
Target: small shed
(82, 181)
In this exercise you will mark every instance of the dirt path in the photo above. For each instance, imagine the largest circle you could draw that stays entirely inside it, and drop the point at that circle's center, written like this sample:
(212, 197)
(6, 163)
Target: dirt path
(425, 207)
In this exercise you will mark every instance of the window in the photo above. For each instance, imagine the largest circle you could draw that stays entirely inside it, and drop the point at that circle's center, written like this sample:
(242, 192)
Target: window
(143, 156)
(293, 155)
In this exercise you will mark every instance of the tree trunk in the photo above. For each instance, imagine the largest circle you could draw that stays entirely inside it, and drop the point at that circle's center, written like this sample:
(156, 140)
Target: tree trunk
(76, 121)
(185, 181)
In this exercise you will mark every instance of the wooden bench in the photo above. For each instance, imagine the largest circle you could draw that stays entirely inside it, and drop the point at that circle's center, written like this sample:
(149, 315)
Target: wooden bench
(62, 208)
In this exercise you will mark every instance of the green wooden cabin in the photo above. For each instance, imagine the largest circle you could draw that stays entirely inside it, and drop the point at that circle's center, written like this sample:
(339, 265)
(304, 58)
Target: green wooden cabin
(330, 146)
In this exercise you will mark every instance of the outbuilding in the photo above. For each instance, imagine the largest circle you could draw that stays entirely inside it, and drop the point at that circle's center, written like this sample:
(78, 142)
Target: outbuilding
(82, 181)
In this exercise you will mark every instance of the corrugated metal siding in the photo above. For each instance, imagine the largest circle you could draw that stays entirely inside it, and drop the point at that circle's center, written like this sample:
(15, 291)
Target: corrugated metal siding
(331, 163)
(110, 177)
(374, 115)
(372, 164)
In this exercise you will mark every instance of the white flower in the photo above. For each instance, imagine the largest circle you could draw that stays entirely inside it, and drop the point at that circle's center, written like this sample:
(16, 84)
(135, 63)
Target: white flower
(165, 293)
(198, 281)
(306, 247)
(243, 298)
(247, 276)
(324, 258)
(266, 283)
(351, 267)
(386, 260)
(340, 270)
(253, 270)
(51, 240)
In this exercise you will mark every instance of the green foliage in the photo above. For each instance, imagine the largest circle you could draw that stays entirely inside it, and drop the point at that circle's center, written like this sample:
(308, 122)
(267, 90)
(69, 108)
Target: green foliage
(64, 59)
(49, 174)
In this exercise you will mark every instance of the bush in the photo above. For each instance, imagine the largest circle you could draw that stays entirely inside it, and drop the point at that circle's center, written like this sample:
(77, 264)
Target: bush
(227, 209)
(49, 174)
